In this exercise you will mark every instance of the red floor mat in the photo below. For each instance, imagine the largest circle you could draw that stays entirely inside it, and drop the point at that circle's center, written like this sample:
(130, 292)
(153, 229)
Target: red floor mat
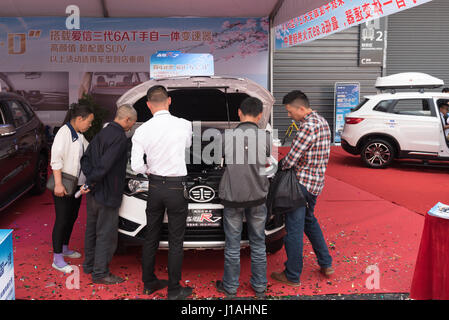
(361, 230)
(414, 187)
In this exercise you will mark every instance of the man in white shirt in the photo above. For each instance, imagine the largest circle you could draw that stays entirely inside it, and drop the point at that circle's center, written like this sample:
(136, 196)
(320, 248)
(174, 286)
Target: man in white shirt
(163, 140)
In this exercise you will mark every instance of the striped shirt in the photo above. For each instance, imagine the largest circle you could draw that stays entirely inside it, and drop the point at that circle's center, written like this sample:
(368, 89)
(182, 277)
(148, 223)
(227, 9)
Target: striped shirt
(309, 153)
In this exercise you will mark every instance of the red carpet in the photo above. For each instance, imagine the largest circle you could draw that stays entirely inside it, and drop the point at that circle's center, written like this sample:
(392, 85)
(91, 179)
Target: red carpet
(414, 187)
(360, 228)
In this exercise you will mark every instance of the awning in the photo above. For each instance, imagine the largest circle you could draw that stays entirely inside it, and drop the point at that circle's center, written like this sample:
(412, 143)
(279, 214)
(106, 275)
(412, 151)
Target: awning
(296, 21)
(153, 8)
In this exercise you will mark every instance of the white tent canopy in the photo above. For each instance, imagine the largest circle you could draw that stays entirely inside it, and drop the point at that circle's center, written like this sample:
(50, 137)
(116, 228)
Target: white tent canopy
(280, 10)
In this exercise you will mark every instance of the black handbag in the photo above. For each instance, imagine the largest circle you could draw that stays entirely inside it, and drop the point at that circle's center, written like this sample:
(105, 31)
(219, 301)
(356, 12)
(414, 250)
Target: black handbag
(70, 183)
(285, 194)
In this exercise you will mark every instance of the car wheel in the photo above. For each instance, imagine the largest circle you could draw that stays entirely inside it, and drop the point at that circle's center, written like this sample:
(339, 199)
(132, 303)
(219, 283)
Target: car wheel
(378, 153)
(40, 179)
(275, 246)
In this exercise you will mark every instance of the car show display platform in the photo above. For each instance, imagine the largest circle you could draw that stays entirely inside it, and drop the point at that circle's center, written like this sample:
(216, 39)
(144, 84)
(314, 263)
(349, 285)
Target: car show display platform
(371, 219)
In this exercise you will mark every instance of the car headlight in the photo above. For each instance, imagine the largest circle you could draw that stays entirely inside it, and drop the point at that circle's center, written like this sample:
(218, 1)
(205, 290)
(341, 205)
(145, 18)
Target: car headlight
(137, 186)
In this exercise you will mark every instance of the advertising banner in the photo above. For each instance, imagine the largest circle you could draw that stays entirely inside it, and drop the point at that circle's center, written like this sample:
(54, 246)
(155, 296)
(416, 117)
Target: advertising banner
(175, 63)
(7, 289)
(108, 56)
(347, 96)
(336, 16)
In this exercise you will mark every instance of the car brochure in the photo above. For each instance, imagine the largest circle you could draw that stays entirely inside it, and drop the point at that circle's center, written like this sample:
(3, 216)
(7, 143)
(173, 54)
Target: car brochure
(440, 210)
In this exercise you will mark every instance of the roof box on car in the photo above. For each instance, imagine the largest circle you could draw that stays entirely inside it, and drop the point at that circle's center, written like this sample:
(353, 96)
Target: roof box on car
(408, 80)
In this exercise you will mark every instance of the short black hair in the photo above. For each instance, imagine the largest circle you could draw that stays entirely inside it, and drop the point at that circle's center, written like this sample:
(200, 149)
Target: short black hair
(445, 90)
(251, 107)
(443, 104)
(296, 96)
(157, 94)
(80, 110)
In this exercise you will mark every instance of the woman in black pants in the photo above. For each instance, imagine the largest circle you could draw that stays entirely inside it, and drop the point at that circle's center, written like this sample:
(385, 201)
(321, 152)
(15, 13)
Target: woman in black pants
(67, 149)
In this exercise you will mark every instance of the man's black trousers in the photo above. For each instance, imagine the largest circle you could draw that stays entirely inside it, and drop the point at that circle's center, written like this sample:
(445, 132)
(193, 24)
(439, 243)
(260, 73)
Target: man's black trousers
(100, 239)
(165, 194)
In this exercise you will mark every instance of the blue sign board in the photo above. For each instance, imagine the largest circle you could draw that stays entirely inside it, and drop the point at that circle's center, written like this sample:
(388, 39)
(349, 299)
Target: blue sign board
(347, 96)
(165, 64)
(7, 289)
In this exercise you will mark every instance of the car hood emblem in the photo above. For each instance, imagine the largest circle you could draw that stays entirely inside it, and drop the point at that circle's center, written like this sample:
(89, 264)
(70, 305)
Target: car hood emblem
(201, 194)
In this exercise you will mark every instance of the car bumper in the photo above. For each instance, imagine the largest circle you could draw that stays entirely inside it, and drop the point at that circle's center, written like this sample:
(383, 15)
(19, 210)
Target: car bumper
(132, 223)
(348, 148)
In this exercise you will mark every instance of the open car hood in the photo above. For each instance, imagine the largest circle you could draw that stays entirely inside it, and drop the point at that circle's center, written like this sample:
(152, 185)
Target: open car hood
(232, 85)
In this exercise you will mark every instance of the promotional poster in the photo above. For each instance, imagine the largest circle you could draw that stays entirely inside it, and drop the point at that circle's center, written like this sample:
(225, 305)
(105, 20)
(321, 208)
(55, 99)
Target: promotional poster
(107, 57)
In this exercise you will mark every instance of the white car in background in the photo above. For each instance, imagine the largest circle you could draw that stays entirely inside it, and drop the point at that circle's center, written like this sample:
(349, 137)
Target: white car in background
(393, 125)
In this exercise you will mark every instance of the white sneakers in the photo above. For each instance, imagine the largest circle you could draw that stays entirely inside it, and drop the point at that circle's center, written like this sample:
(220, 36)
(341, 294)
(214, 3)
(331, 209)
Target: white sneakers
(65, 269)
(73, 255)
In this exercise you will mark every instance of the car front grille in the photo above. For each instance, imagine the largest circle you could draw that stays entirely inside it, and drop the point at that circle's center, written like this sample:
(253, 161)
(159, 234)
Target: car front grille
(197, 234)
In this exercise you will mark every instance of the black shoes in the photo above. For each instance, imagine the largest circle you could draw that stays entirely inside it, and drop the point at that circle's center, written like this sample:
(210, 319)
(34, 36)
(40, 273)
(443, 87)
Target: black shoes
(160, 284)
(260, 294)
(182, 294)
(220, 288)
(110, 279)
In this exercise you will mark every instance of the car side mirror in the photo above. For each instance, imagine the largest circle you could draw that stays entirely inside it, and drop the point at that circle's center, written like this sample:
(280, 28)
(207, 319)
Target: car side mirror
(7, 130)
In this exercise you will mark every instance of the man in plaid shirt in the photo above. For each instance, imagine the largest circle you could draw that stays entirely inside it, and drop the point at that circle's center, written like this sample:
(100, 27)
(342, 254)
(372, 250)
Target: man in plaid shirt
(308, 156)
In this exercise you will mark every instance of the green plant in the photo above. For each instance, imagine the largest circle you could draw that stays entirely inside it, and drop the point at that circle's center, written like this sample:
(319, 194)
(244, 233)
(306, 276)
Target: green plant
(99, 113)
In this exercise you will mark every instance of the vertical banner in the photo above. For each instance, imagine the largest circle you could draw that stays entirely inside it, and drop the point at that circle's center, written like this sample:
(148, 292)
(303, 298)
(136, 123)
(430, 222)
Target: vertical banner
(372, 40)
(347, 96)
(7, 289)
(336, 16)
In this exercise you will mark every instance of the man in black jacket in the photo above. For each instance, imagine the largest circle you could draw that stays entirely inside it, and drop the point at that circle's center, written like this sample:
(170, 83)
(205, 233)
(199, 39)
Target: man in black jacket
(104, 165)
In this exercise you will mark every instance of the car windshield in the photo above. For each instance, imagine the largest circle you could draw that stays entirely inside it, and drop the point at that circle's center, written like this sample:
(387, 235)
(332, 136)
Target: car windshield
(118, 79)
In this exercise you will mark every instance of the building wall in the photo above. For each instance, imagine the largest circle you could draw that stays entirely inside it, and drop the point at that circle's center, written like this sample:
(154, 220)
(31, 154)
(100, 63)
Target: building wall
(418, 40)
(314, 68)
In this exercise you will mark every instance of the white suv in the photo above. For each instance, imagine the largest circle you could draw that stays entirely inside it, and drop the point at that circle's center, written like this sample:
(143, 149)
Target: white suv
(398, 124)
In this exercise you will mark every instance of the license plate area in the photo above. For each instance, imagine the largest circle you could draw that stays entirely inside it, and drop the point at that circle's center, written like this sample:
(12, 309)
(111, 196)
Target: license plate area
(205, 218)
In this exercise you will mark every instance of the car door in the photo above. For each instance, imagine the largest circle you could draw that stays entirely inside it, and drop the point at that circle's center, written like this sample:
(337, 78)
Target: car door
(9, 178)
(444, 144)
(417, 125)
(26, 142)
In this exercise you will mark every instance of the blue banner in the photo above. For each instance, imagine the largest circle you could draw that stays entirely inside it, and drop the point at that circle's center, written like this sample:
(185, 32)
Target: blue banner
(7, 289)
(175, 63)
(347, 96)
(336, 16)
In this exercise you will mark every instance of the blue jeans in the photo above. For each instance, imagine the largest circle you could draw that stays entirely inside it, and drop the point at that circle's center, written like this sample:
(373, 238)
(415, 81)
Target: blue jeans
(233, 224)
(297, 223)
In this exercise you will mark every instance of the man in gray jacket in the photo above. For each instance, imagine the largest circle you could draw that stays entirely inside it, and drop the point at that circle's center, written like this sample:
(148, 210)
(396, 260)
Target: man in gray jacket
(243, 190)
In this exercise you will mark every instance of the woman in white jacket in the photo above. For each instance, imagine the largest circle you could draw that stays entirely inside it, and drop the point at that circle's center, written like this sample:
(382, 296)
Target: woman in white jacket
(67, 149)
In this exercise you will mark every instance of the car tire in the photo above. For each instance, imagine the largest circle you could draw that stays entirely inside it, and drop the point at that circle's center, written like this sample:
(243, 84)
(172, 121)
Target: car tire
(378, 153)
(41, 175)
(274, 246)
